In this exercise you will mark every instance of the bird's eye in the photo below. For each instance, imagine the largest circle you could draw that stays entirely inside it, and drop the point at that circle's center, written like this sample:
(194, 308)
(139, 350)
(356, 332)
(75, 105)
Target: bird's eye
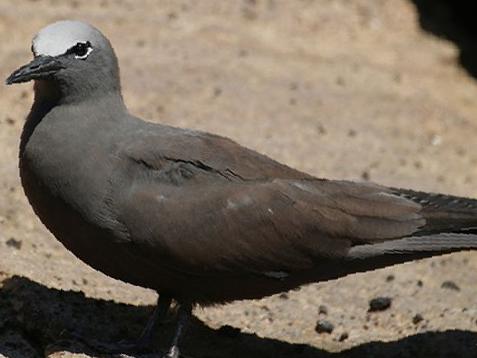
(81, 50)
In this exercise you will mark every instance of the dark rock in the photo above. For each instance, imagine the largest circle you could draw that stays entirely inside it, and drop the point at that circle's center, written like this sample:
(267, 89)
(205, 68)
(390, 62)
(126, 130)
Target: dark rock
(323, 326)
(12, 242)
(450, 285)
(344, 336)
(390, 278)
(365, 175)
(417, 318)
(321, 129)
(323, 310)
(379, 304)
(217, 91)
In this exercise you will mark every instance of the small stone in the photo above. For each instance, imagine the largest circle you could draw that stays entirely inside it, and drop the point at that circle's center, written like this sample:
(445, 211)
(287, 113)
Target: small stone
(365, 175)
(217, 91)
(417, 318)
(321, 129)
(419, 283)
(171, 16)
(450, 285)
(379, 304)
(340, 81)
(323, 310)
(283, 296)
(436, 140)
(390, 278)
(12, 242)
(323, 326)
(344, 336)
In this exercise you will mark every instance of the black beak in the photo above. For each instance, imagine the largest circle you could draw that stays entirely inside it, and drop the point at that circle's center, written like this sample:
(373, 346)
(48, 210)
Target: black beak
(39, 67)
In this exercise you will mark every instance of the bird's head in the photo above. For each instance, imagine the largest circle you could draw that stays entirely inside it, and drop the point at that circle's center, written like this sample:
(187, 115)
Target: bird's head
(73, 57)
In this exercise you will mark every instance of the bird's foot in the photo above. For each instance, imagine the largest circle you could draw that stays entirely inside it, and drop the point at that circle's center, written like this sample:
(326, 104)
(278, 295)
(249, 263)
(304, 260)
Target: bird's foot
(140, 345)
(172, 353)
(123, 347)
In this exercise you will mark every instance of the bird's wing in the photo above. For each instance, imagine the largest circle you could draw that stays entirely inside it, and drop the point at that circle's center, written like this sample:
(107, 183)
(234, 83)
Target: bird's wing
(203, 203)
(194, 219)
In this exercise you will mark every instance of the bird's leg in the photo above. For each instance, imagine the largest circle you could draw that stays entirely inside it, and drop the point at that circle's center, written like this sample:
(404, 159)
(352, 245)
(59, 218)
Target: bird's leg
(157, 317)
(183, 317)
(145, 339)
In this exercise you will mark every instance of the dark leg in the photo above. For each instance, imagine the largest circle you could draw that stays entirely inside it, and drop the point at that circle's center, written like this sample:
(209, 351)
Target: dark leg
(157, 317)
(145, 339)
(183, 317)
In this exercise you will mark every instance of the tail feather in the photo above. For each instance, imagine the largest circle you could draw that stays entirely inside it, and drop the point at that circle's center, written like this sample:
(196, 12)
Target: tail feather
(450, 226)
(368, 257)
(422, 245)
(444, 213)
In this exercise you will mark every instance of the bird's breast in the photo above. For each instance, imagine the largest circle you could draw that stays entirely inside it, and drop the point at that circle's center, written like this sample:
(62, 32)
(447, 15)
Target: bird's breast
(65, 180)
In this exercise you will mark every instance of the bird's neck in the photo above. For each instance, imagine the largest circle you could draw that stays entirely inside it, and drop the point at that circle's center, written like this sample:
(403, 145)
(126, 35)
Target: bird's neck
(48, 96)
(47, 92)
(55, 93)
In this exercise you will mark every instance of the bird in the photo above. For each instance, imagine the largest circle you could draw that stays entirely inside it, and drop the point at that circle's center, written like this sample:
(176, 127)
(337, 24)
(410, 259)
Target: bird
(196, 216)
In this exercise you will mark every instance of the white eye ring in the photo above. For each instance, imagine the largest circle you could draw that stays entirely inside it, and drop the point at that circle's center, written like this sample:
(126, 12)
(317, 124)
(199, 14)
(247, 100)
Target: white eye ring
(90, 49)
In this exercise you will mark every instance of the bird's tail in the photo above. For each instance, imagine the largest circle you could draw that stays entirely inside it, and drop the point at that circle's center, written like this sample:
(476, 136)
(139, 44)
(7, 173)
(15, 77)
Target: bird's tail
(420, 245)
(444, 213)
(451, 225)
(375, 256)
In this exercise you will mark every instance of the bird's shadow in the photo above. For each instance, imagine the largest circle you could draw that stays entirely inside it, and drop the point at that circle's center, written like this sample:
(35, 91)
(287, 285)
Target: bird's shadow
(453, 21)
(43, 319)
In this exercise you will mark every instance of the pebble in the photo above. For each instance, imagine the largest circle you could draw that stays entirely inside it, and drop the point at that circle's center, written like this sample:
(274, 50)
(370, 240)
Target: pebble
(417, 318)
(323, 326)
(12, 242)
(379, 304)
(365, 175)
(344, 336)
(450, 285)
(323, 310)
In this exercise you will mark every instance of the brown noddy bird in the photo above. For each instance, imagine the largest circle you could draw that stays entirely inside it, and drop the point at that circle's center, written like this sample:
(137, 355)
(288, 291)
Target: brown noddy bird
(192, 215)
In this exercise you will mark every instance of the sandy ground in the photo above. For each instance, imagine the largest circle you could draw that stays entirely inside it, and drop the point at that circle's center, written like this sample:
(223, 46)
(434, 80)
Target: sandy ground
(339, 88)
